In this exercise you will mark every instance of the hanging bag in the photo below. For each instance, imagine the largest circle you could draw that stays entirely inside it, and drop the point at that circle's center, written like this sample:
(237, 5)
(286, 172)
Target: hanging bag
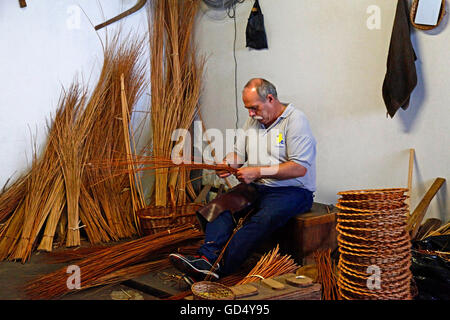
(255, 32)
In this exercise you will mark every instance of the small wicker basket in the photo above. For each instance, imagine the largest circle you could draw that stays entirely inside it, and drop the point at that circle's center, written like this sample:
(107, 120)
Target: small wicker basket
(154, 219)
(207, 290)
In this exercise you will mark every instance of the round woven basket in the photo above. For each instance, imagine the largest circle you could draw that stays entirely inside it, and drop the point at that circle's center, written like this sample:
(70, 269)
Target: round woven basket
(207, 290)
(413, 11)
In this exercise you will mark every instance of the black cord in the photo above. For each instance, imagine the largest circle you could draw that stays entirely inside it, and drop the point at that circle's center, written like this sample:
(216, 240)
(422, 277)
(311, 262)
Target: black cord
(231, 12)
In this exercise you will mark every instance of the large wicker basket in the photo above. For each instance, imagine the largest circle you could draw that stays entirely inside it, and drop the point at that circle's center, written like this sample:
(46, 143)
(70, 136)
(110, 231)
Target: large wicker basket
(372, 234)
(154, 219)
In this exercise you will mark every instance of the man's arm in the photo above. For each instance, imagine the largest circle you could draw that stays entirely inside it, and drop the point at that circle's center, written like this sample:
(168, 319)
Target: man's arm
(283, 171)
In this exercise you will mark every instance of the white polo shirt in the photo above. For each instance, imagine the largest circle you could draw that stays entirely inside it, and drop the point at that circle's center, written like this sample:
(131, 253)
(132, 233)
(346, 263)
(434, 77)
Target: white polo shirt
(289, 138)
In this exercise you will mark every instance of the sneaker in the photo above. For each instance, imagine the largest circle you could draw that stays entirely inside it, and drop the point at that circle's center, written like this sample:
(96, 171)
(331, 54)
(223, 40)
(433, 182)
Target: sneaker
(196, 267)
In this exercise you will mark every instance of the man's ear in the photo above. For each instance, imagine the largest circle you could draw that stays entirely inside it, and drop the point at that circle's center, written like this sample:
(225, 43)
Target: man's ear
(270, 98)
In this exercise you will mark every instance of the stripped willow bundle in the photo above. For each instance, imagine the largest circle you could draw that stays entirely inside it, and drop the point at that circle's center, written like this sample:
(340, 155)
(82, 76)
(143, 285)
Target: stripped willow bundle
(130, 273)
(57, 194)
(11, 196)
(122, 58)
(270, 265)
(109, 260)
(175, 85)
(326, 275)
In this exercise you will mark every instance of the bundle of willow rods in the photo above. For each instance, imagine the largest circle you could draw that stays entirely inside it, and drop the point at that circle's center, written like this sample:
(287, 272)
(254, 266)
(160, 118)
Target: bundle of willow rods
(270, 265)
(176, 74)
(326, 275)
(95, 267)
(375, 248)
(58, 197)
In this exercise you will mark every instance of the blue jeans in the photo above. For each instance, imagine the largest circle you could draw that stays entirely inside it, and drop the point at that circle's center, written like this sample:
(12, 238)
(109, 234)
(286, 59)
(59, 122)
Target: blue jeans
(274, 208)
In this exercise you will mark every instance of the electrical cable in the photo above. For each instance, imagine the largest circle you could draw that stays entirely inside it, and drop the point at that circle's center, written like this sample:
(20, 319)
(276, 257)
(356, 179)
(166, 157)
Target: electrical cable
(233, 16)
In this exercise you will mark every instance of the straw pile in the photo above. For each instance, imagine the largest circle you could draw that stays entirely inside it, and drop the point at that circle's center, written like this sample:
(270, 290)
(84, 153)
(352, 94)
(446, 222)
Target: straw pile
(57, 197)
(176, 75)
(372, 236)
(107, 265)
(270, 265)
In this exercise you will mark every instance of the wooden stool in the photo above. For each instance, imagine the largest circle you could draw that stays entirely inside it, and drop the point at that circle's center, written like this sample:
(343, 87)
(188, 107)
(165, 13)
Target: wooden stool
(306, 233)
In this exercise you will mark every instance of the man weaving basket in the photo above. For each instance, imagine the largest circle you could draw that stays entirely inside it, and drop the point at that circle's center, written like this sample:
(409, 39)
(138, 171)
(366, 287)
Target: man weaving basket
(282, 178)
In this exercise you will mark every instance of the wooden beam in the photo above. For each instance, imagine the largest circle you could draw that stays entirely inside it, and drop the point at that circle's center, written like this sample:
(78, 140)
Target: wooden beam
(201, 198)
(418, 214)
(139, 4)
(410, 174)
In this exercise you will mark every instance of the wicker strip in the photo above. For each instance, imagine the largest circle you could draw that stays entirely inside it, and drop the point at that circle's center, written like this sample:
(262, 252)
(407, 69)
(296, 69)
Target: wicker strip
(374, 205)
(373, 194)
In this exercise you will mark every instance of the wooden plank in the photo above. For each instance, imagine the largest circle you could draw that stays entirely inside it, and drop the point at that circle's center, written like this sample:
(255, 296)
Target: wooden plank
(410, 173)
(244, 290)
(421, 209)
(202, 195)
(299, 281)
(139, 4)
(273, 284)
(312, 292)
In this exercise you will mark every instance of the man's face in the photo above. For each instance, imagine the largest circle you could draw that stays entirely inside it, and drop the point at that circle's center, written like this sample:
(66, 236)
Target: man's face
(257, 109)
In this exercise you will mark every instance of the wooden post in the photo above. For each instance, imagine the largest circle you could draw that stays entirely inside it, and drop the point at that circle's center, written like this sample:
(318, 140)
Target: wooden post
(22, 3)
(410, 173)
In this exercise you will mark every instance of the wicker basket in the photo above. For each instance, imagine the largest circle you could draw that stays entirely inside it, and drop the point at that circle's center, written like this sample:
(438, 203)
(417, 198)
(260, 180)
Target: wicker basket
(154, 219)
(372, 232)
(207, 290)
(412, 16)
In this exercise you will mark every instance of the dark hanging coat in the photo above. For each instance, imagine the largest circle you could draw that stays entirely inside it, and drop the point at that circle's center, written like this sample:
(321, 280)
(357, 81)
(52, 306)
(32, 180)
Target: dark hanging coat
(401, 77)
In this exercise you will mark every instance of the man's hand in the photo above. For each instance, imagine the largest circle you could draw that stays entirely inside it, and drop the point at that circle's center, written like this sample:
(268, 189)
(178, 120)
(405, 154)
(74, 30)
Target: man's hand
(248, 174)
(223, 173)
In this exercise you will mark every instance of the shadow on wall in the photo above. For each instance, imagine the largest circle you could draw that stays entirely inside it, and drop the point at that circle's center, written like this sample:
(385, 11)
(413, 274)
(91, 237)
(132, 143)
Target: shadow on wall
(409, 116)
(442, 204)
(421, 190)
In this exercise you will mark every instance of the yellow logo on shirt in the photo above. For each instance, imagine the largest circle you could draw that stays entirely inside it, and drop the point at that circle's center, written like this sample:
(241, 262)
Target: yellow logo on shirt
(280, 139)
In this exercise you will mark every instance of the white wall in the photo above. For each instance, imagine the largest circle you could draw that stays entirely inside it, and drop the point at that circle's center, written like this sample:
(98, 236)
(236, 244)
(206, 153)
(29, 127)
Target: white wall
(324, 59)
(44, 46)
(321, 56)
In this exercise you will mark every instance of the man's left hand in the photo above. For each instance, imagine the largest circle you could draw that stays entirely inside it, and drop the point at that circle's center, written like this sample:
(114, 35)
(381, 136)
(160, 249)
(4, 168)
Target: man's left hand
(248, 174)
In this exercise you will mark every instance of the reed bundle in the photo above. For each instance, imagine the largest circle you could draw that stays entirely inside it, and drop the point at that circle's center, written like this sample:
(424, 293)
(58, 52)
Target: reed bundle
(57, 196)
(326, 275)
(10, 196)
(109, 260)
(270, 265)
(443, 230)
(176, 75)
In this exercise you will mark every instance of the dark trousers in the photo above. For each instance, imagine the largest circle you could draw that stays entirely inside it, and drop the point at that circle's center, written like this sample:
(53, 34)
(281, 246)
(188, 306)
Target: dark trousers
(275, 206)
